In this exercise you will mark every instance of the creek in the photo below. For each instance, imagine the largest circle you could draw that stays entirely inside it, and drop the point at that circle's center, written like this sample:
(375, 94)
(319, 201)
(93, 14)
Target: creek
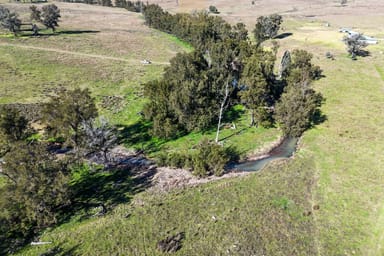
(284, 150)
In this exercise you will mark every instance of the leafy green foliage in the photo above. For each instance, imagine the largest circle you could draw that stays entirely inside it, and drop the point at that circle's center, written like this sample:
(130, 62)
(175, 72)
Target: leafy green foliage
(66, 112)
(267, 27)
(35, 190)
(301, 69)
(13, 125)
(199, 29)
(297, 110)
(258, 79)
(192, 90)
(207, 158)
(210, 159)
(298, 107)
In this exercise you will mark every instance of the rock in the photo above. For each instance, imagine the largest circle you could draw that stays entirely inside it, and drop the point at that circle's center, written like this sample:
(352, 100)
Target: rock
(171, 243)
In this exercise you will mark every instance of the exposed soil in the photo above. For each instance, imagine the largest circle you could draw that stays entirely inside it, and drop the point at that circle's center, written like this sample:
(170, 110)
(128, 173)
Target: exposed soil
(326, 10)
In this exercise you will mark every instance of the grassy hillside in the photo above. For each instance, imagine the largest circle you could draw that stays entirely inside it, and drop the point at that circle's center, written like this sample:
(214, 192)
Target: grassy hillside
(328, 200)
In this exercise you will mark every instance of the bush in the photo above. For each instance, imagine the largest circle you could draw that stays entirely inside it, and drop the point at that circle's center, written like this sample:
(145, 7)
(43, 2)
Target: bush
(213, 9)
(208, 159)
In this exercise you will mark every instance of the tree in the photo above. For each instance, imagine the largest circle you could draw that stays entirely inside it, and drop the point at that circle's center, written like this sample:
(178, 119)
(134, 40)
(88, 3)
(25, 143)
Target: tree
(355, 44)
(13, 124)
(50, 15)
(213, 9)
(267, 27)
(209, 159)
(298, 106)
(301, 70)
(100, 137)
(297, 109)
(35, 13)
(66, 112)
(257, 78)
(9, 20)
(35, 190)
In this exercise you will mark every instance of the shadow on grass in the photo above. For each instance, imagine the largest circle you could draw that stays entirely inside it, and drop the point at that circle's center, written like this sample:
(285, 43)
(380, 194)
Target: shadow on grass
(58, 250)
(283, 35)
(58, 33)
(95, 192)
(138, 136)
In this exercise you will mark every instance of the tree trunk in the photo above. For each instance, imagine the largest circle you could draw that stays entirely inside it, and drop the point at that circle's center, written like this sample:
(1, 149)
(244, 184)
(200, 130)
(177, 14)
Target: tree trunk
(252, 117)
(222, 105)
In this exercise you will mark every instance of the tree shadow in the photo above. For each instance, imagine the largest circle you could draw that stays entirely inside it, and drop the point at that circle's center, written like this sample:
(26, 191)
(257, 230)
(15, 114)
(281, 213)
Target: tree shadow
(58, 250)
(363, 53)
(65, 32)
(138, 136)
(318, 118)
(283, 35)
(95, 192)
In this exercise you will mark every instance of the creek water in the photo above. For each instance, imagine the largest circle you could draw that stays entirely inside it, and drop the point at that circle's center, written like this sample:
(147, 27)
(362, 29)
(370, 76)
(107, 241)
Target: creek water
(284, 150)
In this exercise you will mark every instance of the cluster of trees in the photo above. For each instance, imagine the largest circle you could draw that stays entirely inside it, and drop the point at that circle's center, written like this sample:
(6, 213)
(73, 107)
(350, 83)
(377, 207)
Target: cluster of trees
(227, 69)
(49, 16)
(38, 189)
(131, 6)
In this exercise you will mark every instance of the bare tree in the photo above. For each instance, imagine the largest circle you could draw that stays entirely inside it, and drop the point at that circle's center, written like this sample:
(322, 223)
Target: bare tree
(100, 137)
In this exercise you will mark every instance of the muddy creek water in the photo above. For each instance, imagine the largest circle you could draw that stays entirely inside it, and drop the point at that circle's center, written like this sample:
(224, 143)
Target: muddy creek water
(284, 150)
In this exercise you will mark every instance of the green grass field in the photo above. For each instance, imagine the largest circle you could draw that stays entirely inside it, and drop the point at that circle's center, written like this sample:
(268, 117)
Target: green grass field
(338, 167)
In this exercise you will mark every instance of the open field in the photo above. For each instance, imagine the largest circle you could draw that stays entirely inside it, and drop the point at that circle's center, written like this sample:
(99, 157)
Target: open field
(338, 167)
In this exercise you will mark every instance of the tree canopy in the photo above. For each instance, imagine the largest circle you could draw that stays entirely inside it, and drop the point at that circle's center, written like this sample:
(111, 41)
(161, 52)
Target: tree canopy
(66, 112)
(267, 27)
(50, 15)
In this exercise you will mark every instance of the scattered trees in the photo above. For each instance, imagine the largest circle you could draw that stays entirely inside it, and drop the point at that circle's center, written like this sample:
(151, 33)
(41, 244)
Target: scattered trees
(355, 44)
(49, 15)
(267, 27)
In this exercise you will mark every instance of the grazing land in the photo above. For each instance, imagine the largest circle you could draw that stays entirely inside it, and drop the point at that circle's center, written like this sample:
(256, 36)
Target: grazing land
(327, 200)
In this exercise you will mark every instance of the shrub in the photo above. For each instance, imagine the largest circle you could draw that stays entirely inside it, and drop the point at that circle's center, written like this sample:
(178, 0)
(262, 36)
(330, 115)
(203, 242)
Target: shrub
(213, 9)
(209, 159)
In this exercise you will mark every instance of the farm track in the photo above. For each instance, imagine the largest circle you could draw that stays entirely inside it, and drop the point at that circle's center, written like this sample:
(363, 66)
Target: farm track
(87, 55)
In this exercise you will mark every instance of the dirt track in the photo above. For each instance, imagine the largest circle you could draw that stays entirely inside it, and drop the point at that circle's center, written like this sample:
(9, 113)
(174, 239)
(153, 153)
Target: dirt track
(133, 61)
